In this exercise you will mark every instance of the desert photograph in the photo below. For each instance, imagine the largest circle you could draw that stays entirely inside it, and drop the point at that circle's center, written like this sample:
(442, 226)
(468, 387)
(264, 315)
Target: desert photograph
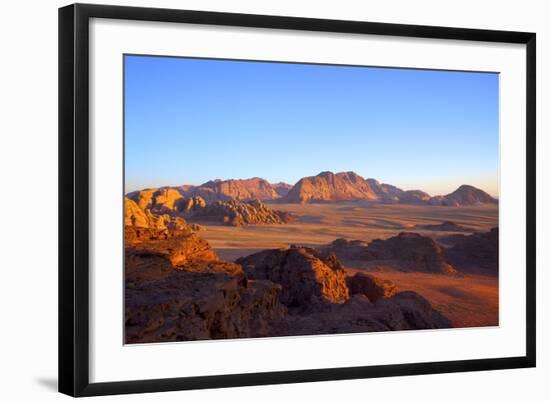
(268, 199)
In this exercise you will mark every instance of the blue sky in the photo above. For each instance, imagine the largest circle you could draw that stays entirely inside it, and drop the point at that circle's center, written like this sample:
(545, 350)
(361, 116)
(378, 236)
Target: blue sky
(189, 120)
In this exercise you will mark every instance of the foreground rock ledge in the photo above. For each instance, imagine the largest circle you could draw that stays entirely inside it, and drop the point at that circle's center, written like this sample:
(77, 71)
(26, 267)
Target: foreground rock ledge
(177, 289)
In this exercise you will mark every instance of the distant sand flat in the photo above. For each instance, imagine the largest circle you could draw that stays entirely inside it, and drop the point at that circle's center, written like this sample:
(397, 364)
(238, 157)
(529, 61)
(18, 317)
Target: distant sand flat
(319, 224)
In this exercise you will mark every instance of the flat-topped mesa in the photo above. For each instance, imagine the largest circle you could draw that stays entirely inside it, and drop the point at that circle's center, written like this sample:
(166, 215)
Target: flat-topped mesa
(235, 212)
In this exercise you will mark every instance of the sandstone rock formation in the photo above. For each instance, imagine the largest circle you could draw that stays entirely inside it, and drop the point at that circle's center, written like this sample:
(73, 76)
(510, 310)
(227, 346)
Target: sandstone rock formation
(418, 252)
(329, 187)
(247, 189)
(306, 277)
(235, 213)
(178, 289)
(348, 250)
(445, 226)
(281, 188)
(414, 197)
(385, 192)
(349, 186)
(159, 201)
(467, 195)
(373, 288)
(179, 247)
(404, 311)
(137, 217)
(200, 306)
(409, 251)
(477, 253)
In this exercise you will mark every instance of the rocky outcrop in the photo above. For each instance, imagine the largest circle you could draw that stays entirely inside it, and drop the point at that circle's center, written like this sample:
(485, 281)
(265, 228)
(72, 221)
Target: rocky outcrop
(180, 247)
(477, 253)
(236, 213)
(178, 289)
(404, 311)
(281, 188)
(158, 201)
(200, 306)
(385, 192)
(414, 197)
(306, 277)
(417, 252)
(324, 187)
(347, 250)
(243, 190)
(137, 217)
(444, 226)
(467, 195)
(373, 288)
(409, 251)
(330, 187)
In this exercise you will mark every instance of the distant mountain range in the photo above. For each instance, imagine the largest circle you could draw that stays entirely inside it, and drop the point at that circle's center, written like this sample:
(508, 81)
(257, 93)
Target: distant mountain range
(327, 187)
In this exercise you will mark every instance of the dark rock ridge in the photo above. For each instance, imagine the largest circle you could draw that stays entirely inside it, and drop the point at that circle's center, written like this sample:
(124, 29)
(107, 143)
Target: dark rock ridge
(177, 289)
(236, 213)
(405, 310)
(410, 251)
(477, 253)
(445, 226)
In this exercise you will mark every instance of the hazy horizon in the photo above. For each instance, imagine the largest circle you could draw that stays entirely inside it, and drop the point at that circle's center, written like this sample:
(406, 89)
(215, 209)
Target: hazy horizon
(188, 121)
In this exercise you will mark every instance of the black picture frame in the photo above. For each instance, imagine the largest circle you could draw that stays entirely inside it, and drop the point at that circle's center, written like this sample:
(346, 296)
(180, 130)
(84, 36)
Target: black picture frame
(74, 198)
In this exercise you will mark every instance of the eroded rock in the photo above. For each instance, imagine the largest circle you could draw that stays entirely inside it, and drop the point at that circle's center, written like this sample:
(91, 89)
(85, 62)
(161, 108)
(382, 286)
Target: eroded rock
(306, 277)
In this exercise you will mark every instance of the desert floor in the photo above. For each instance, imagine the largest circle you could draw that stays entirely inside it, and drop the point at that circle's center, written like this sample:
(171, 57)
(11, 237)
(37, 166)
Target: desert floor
(468, 300)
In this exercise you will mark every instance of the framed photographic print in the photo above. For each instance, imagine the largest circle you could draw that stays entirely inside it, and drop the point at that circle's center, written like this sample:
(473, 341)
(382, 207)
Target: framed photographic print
(250, 199)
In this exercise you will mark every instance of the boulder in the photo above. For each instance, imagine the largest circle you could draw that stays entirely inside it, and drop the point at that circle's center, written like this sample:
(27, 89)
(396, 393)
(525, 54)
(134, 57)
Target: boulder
(306, 276)
(373, 287)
